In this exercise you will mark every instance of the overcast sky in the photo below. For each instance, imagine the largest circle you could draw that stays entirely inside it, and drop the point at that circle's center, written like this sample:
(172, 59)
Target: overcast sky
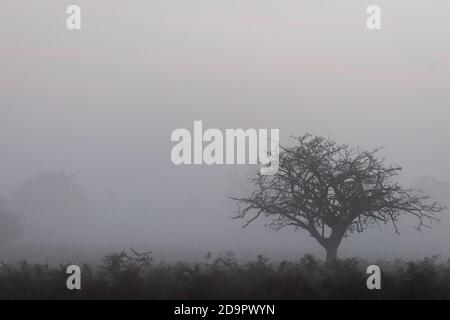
(101, 103)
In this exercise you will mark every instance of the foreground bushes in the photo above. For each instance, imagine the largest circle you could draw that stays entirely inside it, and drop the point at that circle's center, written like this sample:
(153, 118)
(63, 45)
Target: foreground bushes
(135, 275)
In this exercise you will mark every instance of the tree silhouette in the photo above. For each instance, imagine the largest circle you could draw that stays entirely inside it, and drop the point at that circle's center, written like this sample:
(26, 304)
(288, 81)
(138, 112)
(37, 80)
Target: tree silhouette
(51, 204)
(332, 190)
(10, 226)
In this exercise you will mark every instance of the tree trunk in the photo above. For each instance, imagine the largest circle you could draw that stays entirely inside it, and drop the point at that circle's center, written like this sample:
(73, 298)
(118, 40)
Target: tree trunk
(331, 244)
(331, 258)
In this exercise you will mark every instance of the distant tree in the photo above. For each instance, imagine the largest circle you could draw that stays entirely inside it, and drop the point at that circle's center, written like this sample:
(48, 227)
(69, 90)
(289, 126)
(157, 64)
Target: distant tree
(10, 226)
(332, 190)
(50, 204)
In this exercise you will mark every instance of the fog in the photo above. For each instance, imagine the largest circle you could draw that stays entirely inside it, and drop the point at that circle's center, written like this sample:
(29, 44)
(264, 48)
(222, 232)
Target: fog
(99, 105)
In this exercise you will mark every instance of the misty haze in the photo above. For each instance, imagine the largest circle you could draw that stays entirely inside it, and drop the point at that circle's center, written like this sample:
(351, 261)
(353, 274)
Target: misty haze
(86, 119)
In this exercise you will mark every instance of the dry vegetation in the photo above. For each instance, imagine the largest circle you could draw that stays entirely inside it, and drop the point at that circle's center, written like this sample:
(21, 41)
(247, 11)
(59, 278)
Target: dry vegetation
(136, 276)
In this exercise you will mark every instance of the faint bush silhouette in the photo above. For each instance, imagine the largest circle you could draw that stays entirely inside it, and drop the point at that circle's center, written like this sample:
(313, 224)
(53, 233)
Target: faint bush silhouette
(10, 224)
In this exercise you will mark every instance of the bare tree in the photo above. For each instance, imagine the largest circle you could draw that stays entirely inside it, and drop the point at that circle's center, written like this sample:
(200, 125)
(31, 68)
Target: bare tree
(332, 190)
